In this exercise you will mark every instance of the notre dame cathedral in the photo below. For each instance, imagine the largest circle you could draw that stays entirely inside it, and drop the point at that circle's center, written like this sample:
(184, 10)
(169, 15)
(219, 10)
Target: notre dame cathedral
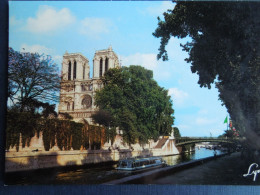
(77, 88)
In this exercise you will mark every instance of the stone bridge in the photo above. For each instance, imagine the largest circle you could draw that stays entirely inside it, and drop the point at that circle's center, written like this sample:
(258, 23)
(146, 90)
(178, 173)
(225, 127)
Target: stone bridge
(191, 140)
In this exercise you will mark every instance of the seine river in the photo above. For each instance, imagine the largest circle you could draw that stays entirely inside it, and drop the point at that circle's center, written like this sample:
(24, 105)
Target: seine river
(90, 175)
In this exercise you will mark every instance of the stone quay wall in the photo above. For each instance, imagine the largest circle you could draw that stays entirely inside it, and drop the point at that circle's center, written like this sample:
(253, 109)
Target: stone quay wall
(35, 157)
(24, 161)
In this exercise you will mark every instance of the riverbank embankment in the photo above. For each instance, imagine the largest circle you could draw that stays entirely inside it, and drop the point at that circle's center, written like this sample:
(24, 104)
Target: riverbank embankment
(25, 161)
(224, 170)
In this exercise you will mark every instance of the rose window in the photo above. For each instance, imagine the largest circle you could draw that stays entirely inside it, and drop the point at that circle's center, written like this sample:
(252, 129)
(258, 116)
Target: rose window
(87, 101)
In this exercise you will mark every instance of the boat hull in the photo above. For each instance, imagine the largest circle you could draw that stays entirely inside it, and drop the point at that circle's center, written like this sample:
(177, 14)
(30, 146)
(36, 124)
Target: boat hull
(134, 165)
(141, 168)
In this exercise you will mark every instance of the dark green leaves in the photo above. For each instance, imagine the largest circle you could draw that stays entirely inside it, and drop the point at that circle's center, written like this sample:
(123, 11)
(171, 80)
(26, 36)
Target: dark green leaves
(224, 48)
(136, 103)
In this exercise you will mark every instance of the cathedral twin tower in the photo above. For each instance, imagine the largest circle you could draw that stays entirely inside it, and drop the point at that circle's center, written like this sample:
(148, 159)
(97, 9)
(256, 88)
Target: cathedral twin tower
(77, 88)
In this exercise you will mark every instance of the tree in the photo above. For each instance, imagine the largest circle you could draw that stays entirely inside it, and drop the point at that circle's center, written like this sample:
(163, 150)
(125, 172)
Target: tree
(104, 118)
(224, 50)
(176, 132)
(138, 106)
(31, 77)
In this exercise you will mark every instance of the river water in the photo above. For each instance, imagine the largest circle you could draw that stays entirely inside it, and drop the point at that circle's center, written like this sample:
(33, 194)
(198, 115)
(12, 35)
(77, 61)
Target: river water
(91, 174)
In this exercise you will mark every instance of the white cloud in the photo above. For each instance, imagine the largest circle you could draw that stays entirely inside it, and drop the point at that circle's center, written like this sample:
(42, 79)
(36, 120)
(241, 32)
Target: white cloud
(42, 50)
(148, 61)
(95, 26)
(162, 71)
(36, 49)
(204, 121)
(49, 20)
(178, 96)
(158, 10)
(57, 58)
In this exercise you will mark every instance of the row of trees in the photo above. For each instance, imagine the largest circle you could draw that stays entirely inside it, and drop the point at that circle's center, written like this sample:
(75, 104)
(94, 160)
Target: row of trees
(224, 50)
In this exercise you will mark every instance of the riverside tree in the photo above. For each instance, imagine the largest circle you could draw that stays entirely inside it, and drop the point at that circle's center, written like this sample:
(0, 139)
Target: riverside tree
(224, 49)
(32, 78)
(176, 132)
(33, 81)
(136, 104)
(105, 119)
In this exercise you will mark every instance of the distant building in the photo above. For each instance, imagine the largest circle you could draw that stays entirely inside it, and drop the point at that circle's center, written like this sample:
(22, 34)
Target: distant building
(77, 88)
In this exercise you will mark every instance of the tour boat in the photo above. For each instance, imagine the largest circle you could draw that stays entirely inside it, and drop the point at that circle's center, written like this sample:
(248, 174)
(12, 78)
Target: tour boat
(133, 164)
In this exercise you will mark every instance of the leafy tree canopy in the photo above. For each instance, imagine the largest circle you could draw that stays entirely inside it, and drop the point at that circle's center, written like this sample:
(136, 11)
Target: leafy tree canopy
(136, 103)
(225, 50)
(32, 78)
(176, 132)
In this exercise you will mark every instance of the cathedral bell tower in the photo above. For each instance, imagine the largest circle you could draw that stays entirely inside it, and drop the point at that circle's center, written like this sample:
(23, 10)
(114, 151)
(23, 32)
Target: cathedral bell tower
(104, 60)
(76, 92)
(77, 88)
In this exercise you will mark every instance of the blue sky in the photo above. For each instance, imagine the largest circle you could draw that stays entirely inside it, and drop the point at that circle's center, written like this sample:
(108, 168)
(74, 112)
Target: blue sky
(55, 27)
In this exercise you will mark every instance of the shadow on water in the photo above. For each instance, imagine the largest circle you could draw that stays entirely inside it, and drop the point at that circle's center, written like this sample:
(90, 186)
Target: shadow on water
(93, 173)
(98, 167)
(32, 176)
(99, 172)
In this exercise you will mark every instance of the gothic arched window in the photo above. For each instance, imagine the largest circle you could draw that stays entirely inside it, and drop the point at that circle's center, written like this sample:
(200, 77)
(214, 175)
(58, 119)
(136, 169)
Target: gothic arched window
(86, 101)
(68, 106)
(94, 68)
(100, 68)
(75, 70)
(106, 64)
(84, 71)
(69, 71)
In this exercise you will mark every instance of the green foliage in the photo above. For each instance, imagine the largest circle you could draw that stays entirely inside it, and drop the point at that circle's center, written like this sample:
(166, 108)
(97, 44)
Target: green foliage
(24, 124)
(96, 137)
(104, 118)
(67, 133)
(138, 106)
(225, 50)
(229, 133)
(48, 133)
(85, 135)
(176, 132)
(12, 131)
(77, 133)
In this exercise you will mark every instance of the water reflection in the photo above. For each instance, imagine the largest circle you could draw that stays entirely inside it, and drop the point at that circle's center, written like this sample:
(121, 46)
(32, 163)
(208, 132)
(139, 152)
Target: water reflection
(92, 175)
(185, 157)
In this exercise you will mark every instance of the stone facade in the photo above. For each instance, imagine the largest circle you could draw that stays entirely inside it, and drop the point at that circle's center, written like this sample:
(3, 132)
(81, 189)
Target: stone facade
(77, 88)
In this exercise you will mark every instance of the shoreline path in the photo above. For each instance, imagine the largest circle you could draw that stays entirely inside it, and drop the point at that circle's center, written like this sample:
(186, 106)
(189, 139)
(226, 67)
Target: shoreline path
(227, 170)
